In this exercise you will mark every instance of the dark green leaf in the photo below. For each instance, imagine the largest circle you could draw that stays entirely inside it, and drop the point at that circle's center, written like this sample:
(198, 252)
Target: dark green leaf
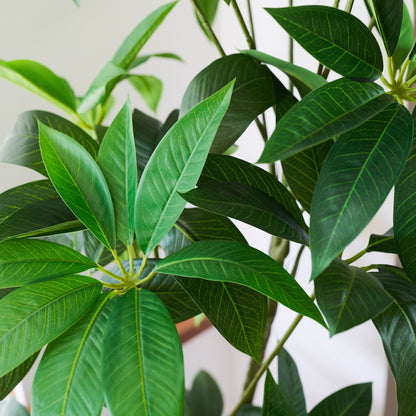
(253, 94)
(348, 296)
(22, 146)
(351, 401)
(35, 314)
(79, 181)
(174, 167)
(11, 407)
(140, 335)
(405, 42)
(234, 262)
(70, 369)
(149, 87)
(359, 172)
(249, 410)
(333, 109)
(335, 38)
(385, 243)
(274, 403)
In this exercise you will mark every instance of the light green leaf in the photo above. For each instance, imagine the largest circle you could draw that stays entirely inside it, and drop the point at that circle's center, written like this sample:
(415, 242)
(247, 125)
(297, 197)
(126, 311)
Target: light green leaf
(149, 87)
(359, 172)
(333, 109)
(140, 336)
(11, 407)
(274, 403)
(174, 167)
(140, 60)
(234, 262)
(35, 314)
(117, 160)
(405, 42)
(40, 80)
(70, 369)
(80, 182)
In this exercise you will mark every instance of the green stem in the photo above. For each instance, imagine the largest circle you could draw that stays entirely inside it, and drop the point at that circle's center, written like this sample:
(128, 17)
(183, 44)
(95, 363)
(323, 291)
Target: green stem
(385, 82)
(336, 4)
(349, 5)
(142, 266)
(363, 252)
(249, 39)
(113, 285)
(146, 279)
(130, 250)
(111, 274)
(297, 261)
(291, 53)
(251, 20)
(120, 264)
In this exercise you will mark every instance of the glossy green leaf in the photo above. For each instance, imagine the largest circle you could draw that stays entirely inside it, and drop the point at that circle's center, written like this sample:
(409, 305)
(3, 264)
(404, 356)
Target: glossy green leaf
(384, 243)
(397, 328)
(149, 87)
(24, 261)
(70, 369)
(117, 161)
(359, 172)
(253, 94)
(290, 385)
(405, 42)
(174, 167)
(274, 403)
(302, 171)
(303, 79)
(348, 296)
(335, 38)
(229, 261)
(389, 17)
(351, 401)
(40, 80)
(79, 181)
(333, 109)
(22, 146)
(35, 314)
(11, 407)
(140, 336)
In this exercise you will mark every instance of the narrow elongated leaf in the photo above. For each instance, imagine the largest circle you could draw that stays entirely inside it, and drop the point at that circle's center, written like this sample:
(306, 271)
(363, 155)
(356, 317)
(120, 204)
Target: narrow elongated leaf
(405, 42)
(274, 403)
(70, 369)
(35, 314)
(40, 80)
(22, 146)
(140, 60)
(254, 86)
(149, 87)
(351, 401)
(348, 296)
(79, 181)
(140, 336)
(335, 38)
(357, 176)
(117, 161)
(11, 407)
(333, 109)
(174, 167)
(23, 261)
(229, 261)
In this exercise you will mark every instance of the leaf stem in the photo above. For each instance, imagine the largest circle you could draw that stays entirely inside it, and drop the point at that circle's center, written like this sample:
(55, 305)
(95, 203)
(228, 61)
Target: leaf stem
(131, 259)
(251, 20)
(349, 5)
(297, 261)
(249, 39)
(363, 252)
(111, 274)
(120, 264)
(150, 276)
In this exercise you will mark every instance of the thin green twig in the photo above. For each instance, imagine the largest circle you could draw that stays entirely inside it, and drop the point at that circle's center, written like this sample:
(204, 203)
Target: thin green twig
(241, 21)
(251, 20)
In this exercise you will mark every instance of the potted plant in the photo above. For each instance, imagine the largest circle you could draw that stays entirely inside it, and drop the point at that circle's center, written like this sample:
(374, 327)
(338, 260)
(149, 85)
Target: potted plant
(80, 252)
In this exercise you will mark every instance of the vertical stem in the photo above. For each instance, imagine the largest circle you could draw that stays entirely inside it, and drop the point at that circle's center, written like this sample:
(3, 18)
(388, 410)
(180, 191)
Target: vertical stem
(251, 20)
(249, 39)
(349, 5)
(291, 55)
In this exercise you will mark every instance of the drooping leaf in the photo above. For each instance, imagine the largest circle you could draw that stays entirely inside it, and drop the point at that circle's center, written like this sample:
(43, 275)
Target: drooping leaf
(11, 407)
(350, 401)
(330, 110)
(230, 261)
(22, 146)
(140, 335)
(70, 369)
(405, 42)
(79, 181)
(385, 243)
(174, 167)
(274, 403)
(23, 261)
(335, 38)
(348, 296)
(253, 94)
(40, 80)
(359, 172)
(149, 87)
(35, 314)
(140, 60)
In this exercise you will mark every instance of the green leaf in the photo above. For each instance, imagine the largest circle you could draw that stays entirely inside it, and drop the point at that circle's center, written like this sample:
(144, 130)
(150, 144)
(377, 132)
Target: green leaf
(274, 403)
(253, 94)
(348, 296)
(140, 336)
(304, 80)
(40, 80)
(234, 262)
(209, 10)
(96, 251)
(35, 314)
(397, 328)
(70, 369)
(405, 42)
(302, 171)
(117, 161)
(140, 60)
(249, 410)
(389, 17)
(290, 385)
(22, 146)
(333, 109)
(350, 401)
(204, 398)
(11, 407)
(335, 38)
(80, 182)
(385, 243)
(175, 168)
(359, 172)
(25, 261)
(149, 87)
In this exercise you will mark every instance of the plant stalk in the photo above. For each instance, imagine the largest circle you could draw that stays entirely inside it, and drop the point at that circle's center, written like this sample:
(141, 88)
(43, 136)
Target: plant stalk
(251, 20)
(240, 18)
